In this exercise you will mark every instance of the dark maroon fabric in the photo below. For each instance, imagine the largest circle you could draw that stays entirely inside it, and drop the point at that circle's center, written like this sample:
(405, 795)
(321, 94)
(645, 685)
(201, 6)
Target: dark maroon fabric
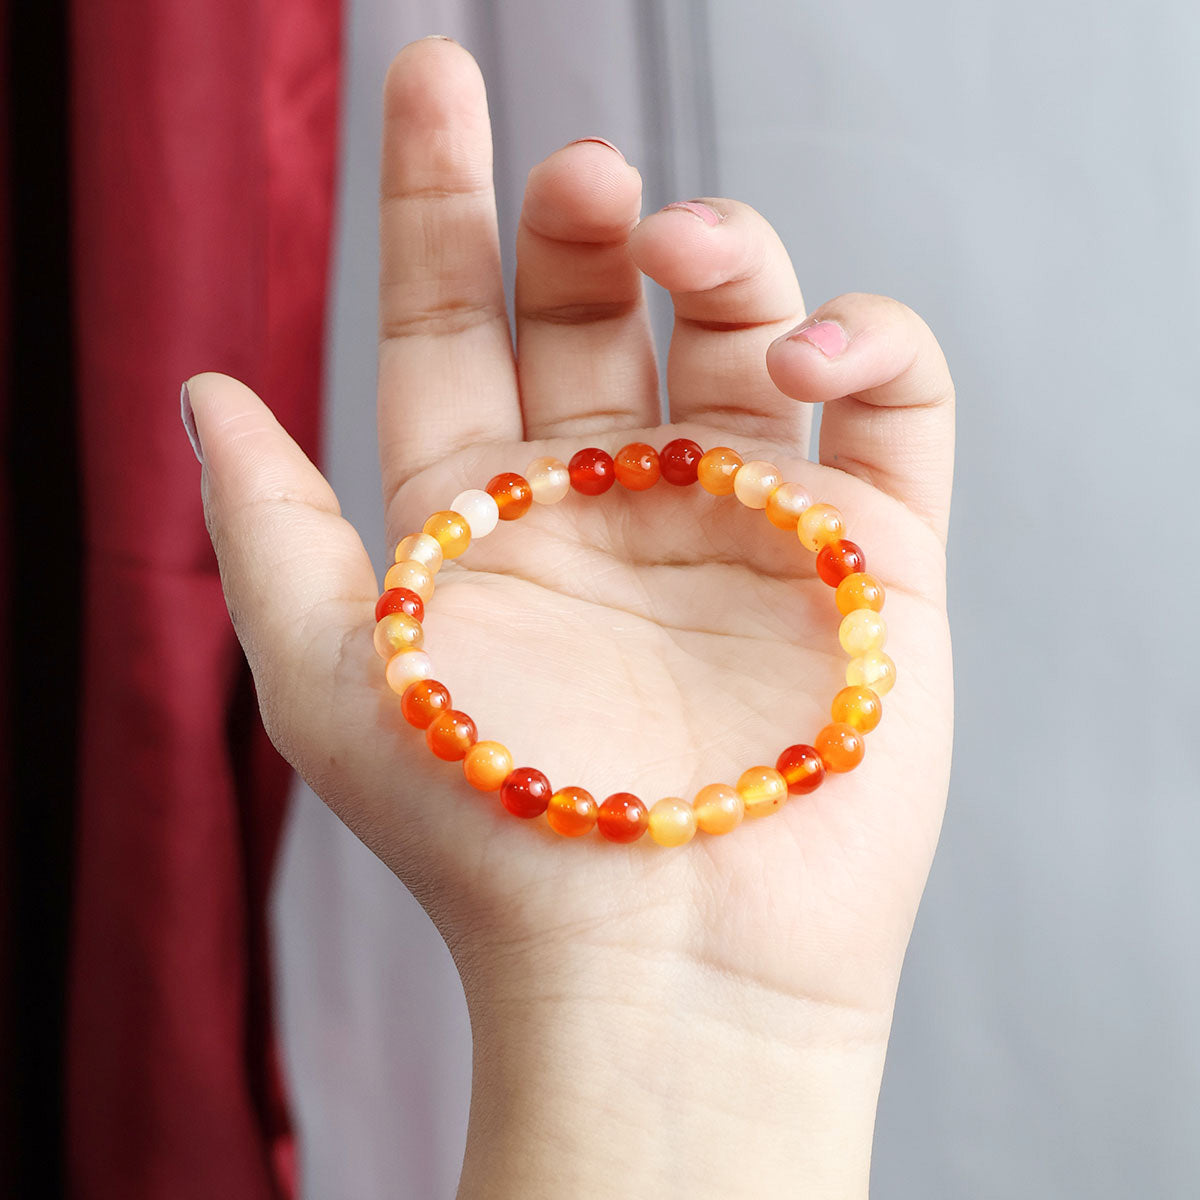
(204, 141)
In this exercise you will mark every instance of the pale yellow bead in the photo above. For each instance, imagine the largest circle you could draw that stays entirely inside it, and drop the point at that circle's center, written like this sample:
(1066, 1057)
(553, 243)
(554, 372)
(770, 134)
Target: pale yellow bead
(818, 524)
(411, 575)
(480, 510)
(862, 630)
(407, 667)
(763, 789)
(786, 503)
(718, 808)
(549, 480)
(874, 670)
(395, 632)
(755, 481)
(672, 821)
(420, 547)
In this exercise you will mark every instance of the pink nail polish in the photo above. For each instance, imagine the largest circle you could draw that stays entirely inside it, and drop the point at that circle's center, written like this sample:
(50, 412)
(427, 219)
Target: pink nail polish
(598, 140)
(189, 422)
(709, 216)
(828, 336)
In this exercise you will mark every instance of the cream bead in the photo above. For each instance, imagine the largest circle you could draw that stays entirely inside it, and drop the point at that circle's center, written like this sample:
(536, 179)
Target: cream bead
(411, 575)
(421, 548)
(407, 667)
(481, 511)
(755, 481)
(549, 480)
(396, 632)
(862, 630)
(874, 670)
(672, 821)
(718, 808)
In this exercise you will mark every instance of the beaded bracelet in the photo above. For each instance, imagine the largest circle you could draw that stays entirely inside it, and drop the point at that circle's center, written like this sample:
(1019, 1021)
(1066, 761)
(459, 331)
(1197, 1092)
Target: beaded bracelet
(622, 817)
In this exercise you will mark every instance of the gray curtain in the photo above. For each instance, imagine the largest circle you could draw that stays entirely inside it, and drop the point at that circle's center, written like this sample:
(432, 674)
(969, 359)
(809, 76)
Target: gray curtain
(1026, 177)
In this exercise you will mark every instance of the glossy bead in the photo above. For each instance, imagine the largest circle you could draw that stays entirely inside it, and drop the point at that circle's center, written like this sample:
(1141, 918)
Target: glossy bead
(718, 808)
(525, 793)
(592, 471)
(572, 812)
(421, 548)
(487, 765)
(836, 560)
(862, 630)
(478, 509)
(397, 631)
(763, 789)
(451, 734)
(874, 670)
(410, 575)
(423, 701)
(801, 768)
(549, 480)
(400, 600)
(678, 461)
(672, 821)
(786, 503)
(818, 524)
(622, 818)
(512, 493)
(859, 591)
(717, 469)
(637, 467)
(407, 667)
(755, 481)
(840, 746)
(859, 707)
(451, 530)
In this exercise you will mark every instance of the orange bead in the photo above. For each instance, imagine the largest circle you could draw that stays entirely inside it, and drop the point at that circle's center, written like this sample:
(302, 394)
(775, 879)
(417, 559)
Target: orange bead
(410, 575)
(857, 706)
(395, 632)
(840, 746)
(716, 470)
(512, 494)
(718, 808)
(592, 471)
(836, 560)
(572, 812)
(763, 789)
(859, 590)
(786, 503)
(487, 765)
(423, 701)
(802, 768)
(637, 467)
(450, 735)
(525, 793)
(451, 530)
(622, 818)
(819, 524)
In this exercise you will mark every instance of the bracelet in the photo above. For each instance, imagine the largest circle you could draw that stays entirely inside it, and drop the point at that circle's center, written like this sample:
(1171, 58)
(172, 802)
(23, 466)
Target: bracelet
(623, 817)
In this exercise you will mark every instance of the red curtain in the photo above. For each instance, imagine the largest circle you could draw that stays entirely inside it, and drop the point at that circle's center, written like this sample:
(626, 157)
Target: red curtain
(203, 165)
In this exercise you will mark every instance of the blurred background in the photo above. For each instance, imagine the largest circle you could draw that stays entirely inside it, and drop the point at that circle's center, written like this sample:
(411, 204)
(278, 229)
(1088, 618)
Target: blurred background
(213, 988)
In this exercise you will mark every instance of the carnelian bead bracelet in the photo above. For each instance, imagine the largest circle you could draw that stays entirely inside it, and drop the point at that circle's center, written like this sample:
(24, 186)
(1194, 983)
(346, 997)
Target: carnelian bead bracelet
(623, 817)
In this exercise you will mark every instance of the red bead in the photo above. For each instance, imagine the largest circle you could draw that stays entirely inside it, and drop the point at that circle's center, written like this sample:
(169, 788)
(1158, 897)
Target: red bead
(592, 471)
(451, 734)
(512, 494)
(678, 460)
(623, 818)
(803, 769)
(636, 466)
(526, 792)
(399, 600)
(423, 701)
(836, 560)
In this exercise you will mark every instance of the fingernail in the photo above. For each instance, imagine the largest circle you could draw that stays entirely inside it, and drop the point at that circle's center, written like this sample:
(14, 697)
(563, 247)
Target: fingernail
(598, 140)
(709, 216)
(189, 422)
(437, 37)
(828, 336)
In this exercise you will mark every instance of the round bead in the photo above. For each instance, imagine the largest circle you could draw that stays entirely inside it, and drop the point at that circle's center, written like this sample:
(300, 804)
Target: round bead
(525, 793)
(859, 591)
(836, 560)
(512, 493)
(862, 630)
(678, 461)
(874, 670)
(592, 471)
(479, 509)
(859, 707)
(399, 600)
(407, 667)
(549, 480)
(763, 789)
(801, 768)
(572, 812)
(423, 701)
(451, 530)
(818, 524)
(410, 575)
(487, 765)
(420, 547)
(397, 631)
(755, 481)
(786, 503)
(451, 734)
(672, 821)
(637, 467)
(840, 746)
(717, 469)
(622, 818)
(718, 808)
